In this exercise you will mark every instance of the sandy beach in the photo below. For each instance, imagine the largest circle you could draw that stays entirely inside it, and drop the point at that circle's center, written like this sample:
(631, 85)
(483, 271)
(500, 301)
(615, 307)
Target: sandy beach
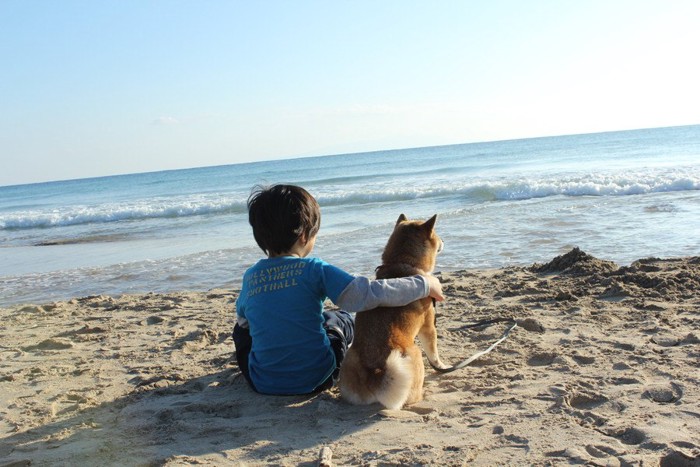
(603, 369)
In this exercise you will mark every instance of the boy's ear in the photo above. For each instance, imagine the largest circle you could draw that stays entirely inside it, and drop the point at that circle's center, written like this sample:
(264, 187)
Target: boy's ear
(402, 218)
(429, 225)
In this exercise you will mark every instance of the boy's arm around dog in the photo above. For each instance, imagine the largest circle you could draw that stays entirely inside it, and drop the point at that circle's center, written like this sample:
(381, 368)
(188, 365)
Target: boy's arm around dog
(365, 294)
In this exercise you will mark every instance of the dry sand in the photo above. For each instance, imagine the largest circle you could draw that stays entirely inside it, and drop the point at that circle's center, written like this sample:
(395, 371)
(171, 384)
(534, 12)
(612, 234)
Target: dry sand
(603, 369)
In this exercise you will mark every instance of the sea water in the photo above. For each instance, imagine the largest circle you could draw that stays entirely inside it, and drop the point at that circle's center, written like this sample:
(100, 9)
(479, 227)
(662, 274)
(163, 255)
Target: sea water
(619, 196)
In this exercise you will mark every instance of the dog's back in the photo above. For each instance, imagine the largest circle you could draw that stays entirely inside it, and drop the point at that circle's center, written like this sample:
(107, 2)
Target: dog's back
(384, 364)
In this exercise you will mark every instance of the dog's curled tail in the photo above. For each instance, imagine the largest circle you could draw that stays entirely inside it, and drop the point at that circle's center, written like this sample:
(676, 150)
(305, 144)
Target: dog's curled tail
(397, 381)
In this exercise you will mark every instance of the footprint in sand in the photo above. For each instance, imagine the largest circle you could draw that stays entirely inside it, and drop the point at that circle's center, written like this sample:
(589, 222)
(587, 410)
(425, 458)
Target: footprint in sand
(601, 451)
(531, 324)
(198, 339)
(51, 344)
(679, 459)
(84, 334)
(151, 320)
(666, 341)
(630, 435)
(592, 408)
(584, 400)
(621, 366)
(583, 359)
(542, 359)
(664, 393)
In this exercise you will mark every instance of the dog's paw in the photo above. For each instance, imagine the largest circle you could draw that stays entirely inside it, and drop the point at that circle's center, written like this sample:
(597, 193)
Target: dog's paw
(438, 365)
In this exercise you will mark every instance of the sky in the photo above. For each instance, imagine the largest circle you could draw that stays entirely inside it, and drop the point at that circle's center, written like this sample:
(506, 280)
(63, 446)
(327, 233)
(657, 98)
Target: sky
(93, 88)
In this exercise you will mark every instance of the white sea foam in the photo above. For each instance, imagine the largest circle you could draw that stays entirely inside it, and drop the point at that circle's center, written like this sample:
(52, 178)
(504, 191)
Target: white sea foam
(469, 191)
(106, 213)
(520, 189)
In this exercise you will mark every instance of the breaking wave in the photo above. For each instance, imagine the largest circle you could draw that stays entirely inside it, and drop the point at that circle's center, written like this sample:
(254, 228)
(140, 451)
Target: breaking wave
(467, 191)
(522, 189)
(107, 213)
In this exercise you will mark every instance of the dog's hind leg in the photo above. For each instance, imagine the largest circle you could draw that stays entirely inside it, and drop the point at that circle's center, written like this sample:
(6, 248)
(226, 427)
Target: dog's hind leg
(355, 385)
(427, 335)
(416, 394)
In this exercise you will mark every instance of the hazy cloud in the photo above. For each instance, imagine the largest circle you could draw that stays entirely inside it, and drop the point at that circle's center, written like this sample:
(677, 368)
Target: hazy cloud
(166, 121)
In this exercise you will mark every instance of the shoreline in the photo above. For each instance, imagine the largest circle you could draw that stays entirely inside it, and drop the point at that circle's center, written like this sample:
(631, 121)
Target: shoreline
(234, 284)
(602, 370)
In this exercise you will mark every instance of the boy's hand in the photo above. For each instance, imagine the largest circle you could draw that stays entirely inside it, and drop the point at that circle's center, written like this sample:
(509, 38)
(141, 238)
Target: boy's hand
(435, 288)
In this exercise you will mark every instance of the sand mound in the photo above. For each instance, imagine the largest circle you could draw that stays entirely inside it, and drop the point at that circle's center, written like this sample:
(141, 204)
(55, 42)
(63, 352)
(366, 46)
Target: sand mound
(575, 261)
(671, 277)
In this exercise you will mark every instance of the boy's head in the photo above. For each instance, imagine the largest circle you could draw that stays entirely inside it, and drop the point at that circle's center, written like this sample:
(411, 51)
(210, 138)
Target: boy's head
(282, 214)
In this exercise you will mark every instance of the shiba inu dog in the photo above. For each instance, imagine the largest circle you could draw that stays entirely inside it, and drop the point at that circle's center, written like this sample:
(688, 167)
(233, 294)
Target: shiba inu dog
(384, 364)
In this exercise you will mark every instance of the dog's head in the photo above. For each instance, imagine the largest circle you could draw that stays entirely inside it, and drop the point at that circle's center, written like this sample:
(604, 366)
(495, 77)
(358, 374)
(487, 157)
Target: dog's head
(414, 243)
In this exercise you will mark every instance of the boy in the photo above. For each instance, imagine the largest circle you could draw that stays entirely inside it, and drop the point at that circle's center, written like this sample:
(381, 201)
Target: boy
(285, 342)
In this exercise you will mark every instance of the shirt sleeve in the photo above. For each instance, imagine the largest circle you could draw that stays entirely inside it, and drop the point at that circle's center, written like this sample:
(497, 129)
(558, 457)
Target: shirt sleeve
(333, 279)
(364, 294)
(240, 312)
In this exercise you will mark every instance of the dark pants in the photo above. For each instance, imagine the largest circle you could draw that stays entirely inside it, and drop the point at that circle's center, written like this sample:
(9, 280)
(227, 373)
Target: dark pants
(339, 326)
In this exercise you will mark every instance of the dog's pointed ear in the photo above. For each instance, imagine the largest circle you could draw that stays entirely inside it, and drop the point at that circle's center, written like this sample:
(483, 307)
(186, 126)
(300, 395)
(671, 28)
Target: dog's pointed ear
(429, 225)
(402, 218)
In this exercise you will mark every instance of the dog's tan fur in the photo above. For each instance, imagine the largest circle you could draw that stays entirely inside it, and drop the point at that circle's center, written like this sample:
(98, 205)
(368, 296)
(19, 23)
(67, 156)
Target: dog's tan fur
(384, 364)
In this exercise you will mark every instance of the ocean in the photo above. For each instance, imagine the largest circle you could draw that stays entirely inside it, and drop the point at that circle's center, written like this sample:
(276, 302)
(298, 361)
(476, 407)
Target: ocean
(620, 196)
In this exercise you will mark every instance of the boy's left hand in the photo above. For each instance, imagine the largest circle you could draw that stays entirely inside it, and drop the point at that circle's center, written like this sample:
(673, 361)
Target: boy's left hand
(435, 288)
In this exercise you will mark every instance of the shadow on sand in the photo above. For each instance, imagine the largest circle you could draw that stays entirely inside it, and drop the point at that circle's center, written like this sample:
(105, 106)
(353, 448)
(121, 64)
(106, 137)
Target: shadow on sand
(216, 416)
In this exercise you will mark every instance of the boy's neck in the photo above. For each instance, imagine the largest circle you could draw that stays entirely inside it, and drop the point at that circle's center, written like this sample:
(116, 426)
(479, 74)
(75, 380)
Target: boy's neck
(281, 255)
(300, 249)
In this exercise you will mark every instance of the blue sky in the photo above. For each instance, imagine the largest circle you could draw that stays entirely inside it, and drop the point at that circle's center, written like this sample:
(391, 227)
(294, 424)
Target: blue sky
(91, 88)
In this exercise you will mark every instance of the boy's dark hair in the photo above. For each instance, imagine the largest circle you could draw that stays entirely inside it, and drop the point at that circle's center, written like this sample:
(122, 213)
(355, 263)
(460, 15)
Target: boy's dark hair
(280, 215)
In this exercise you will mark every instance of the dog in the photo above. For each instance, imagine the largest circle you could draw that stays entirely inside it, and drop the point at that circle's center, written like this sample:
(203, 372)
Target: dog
(384, 364)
